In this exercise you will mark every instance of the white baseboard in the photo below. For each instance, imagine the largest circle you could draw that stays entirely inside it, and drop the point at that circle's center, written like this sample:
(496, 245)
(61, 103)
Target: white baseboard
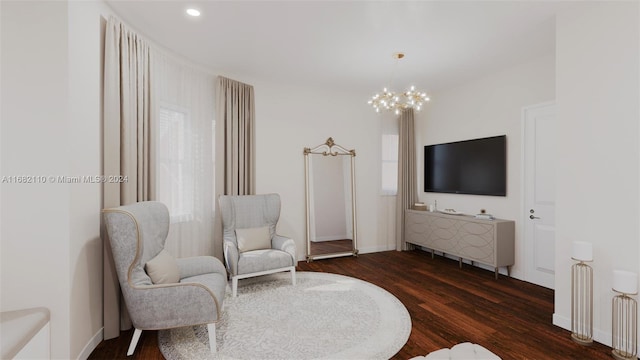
(561, 321)
(91, 345)
(330, 238)
(365, 250)
(603, 337)
(374, 249)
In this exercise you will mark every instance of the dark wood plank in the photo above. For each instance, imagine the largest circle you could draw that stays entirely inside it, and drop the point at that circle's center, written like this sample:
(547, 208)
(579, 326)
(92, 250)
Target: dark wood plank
(147, 348)
(447, 305)
(330, 247)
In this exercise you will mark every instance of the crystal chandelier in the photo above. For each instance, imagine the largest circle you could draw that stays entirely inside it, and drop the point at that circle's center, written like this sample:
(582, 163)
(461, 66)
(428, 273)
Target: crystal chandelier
(390, 100)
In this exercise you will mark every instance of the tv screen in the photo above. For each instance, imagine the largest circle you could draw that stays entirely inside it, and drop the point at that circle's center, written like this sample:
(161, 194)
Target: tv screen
(477, 166)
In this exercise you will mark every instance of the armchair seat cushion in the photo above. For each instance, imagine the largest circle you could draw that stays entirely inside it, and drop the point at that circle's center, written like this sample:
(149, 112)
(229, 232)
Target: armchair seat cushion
(216, 282)
(263, 260)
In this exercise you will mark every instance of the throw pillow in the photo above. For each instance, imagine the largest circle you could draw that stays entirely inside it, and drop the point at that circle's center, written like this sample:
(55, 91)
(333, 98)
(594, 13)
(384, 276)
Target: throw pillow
(163, 269)
(253, 239)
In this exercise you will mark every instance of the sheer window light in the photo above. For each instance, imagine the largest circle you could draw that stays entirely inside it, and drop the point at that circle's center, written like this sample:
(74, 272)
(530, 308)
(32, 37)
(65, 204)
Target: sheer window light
(175, 163)
(390, 164)
(183, 117)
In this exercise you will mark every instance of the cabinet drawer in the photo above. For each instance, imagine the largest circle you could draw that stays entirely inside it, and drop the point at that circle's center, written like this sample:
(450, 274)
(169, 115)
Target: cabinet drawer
(489, 242)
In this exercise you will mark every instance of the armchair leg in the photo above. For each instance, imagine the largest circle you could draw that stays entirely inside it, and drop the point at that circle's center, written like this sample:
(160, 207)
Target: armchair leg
(234, 279)
(212, 338)
(293, 276)
(234, 286)
(134, 341)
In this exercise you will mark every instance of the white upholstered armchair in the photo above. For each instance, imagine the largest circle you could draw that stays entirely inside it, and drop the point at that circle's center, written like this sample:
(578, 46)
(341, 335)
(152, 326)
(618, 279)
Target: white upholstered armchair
(161, 292)
(251, 245)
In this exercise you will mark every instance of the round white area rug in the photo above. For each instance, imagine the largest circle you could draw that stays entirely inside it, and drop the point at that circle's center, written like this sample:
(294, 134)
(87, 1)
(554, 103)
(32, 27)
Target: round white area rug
(325, 316)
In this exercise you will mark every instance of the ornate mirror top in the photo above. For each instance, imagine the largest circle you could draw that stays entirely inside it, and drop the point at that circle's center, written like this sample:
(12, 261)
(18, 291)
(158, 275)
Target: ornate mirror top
(329, 148)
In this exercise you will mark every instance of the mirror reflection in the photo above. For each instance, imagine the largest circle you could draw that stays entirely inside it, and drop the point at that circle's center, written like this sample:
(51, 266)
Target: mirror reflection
(330, 188)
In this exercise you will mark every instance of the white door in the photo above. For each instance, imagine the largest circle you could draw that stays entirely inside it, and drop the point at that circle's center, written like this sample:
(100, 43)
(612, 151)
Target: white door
(539, 123)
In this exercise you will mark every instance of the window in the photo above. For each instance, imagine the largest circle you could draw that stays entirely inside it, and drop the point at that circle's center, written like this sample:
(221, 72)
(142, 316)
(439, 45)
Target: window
(183, 114)
(175, 163)
(390, 164)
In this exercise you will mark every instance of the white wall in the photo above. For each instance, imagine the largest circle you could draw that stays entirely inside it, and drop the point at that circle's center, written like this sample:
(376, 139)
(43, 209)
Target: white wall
(488, 106)
(86, 44)
(35, 135)
(598, 70)
(292, 117)
(51, 91)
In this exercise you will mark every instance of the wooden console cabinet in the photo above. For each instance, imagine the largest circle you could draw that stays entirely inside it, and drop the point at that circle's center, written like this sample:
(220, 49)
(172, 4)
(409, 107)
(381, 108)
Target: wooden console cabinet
(489, 242)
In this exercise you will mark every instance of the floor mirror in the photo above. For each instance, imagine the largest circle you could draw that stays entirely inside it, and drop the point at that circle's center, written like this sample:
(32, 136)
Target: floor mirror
(331, 201)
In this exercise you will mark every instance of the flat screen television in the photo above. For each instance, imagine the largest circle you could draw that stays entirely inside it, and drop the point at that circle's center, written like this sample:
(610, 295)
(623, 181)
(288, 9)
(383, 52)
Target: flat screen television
(477, 166)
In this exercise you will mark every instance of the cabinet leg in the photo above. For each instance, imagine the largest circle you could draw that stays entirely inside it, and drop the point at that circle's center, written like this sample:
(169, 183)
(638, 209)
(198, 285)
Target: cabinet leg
(432, 254)
(460, 263)
(497, 272)
(508, 271)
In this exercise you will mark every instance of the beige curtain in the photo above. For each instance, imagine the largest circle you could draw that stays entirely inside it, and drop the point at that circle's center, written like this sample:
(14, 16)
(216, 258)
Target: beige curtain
(127, 145)
(235, 108)
(407, 176)
(235, 145)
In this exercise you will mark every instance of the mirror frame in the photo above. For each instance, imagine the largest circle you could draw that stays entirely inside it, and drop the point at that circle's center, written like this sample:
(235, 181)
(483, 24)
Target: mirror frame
(330, 148)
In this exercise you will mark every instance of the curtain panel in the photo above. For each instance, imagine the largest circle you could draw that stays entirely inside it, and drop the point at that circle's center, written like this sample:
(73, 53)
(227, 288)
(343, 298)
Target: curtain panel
(235, 108)
(127, 145)
(407, 175)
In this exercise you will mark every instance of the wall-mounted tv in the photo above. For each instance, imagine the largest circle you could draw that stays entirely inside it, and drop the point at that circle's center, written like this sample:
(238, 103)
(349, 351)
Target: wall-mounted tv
(477, 166)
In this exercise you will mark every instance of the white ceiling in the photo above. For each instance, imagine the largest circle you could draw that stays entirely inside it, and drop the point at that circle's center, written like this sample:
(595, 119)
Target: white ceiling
(349, 44)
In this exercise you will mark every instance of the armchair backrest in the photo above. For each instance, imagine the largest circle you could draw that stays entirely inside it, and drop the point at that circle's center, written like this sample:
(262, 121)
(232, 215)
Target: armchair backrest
(137, 233)
(248, 211)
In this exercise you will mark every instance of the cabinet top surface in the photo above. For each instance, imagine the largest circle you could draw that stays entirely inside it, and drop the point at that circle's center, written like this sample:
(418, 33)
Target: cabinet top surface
(460, 217)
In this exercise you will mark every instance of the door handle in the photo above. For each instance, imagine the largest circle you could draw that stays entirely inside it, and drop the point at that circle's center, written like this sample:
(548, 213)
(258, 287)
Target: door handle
(533, 217)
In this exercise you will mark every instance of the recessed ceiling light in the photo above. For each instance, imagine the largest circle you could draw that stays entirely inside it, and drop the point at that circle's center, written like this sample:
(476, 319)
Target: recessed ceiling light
(193, 12)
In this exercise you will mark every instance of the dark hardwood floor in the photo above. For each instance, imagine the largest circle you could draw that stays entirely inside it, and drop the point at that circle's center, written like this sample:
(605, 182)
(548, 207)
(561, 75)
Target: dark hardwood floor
(332, 246)
(448, 305)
